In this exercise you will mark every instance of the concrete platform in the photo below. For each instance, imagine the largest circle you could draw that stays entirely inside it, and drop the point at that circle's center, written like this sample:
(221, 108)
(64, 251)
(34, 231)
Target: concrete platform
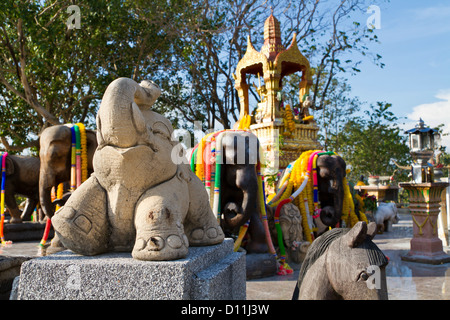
(212, 272)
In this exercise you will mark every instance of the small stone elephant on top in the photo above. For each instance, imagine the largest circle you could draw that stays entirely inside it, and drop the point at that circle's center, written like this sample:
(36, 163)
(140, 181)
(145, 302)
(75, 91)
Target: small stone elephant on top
(137, 199)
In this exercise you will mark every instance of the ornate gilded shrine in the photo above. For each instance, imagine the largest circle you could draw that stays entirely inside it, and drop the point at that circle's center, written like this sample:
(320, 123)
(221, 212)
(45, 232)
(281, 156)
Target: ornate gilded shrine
(272, 117)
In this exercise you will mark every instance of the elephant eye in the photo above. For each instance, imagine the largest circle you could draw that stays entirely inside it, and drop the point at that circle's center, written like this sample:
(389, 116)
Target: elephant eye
(363, 276)
(161, 129)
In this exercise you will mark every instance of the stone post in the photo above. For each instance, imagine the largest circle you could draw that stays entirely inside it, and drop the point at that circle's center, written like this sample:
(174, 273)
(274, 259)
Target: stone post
(424, 203)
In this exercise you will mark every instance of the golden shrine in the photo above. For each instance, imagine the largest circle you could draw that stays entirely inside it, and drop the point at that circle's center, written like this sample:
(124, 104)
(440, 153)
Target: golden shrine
(271, 118)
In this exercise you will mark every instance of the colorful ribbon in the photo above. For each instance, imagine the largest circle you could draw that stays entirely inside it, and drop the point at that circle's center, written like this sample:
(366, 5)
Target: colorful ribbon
(2, 199)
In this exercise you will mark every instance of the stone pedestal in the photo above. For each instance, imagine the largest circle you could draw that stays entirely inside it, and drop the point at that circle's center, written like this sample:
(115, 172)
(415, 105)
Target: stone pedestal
(260, 265)
(424, 204)
(25, 231)
(211, 273)
(9, 270)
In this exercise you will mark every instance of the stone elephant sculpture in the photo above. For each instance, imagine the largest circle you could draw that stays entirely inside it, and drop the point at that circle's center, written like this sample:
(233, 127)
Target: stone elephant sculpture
(22, 177)
(315, 184)
(137, 199)
(55, 145)
(331, 170)
(238, 153)
(240, 194)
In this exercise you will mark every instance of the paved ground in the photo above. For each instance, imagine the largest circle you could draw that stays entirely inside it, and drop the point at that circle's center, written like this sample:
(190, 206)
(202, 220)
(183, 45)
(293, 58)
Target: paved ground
(405, 280)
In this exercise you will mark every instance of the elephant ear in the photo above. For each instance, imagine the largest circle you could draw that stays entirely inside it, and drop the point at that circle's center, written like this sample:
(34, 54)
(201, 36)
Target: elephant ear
(371, 230)
(9, 166)
(341, 163)
(356, 235)
(184, 173)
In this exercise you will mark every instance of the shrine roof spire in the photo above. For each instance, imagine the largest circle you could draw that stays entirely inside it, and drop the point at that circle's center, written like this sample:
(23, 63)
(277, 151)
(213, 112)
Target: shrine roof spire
(272, 38)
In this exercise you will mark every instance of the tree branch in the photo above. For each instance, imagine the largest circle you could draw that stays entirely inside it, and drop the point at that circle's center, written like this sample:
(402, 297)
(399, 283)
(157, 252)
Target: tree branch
(28, 93)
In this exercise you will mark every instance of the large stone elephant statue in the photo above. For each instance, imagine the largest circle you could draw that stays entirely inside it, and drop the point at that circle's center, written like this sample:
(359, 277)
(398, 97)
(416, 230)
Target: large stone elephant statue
(22, 177)
(226, 161)
(315, 184)
(55, 155)
(240, 197)
(137, 199)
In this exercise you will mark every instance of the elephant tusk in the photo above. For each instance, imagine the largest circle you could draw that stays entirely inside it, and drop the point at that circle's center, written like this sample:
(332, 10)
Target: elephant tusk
(302, 186)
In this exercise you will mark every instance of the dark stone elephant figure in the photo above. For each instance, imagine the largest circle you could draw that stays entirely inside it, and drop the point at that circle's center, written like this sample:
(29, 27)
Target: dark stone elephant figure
(22, 177)
(331, 170)
(240, 198)
(55, 156)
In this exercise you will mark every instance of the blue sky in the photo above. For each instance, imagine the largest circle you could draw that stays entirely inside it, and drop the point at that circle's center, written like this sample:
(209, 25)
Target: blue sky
(415, 46)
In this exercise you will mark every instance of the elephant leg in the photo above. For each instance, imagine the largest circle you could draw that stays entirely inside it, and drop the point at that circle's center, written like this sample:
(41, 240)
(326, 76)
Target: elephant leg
(258, 241)
(159, 222)
(10, 202)
(30, 204)
(82, 225)
(201, 226)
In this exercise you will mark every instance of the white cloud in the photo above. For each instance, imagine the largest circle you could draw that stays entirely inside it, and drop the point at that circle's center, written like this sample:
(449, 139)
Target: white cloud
(434, 114)
(432, 12)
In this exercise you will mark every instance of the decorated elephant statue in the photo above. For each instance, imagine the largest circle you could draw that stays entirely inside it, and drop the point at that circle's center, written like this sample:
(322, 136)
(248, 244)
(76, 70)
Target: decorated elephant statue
(22, 178)
(55, 154)
(331, 171)
(228, 162)
(316, 183)
(137, 199)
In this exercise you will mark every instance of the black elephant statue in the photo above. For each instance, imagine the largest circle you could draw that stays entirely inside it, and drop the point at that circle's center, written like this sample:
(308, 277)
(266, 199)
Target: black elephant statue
(229, 159)
(331, 170)
(55, 155)
(21, 178)
(316, 183)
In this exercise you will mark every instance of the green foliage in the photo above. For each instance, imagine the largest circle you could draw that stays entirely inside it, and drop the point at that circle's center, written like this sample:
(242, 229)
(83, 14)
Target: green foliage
(338, 108)
(368, 143)
(51, 74)
(370, 203)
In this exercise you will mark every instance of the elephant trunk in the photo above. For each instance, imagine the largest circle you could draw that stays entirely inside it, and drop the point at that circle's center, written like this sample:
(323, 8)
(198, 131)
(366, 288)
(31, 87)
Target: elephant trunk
(46, 183)
(121, 110)
(246, 181)
(332, 203)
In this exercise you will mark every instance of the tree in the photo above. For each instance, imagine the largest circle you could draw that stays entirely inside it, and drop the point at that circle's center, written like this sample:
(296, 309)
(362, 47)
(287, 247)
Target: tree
(336, 111)
(51, 74)
(368, 143)
(218, 40)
